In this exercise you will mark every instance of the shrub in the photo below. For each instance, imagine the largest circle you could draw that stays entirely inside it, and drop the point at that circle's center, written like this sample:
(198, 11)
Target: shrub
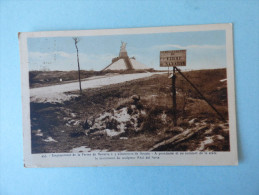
(112, 124)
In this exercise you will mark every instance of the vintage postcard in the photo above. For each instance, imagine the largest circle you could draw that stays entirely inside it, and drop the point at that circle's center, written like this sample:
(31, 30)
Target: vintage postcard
(129, 97)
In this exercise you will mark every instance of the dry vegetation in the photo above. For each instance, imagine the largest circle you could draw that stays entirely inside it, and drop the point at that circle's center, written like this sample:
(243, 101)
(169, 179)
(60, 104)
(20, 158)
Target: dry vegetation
(136, 116)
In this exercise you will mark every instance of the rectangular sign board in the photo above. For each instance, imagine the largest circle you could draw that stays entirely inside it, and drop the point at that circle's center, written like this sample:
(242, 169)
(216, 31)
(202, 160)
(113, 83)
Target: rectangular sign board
(173, 58)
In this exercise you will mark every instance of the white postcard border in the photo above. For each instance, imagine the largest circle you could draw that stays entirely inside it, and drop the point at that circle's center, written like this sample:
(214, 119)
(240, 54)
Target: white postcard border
(174, 158)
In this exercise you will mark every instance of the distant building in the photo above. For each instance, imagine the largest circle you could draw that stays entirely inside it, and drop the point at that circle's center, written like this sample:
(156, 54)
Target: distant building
(124, 62)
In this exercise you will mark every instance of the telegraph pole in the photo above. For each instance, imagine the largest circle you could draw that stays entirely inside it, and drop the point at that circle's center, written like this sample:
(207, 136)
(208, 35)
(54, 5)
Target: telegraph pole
(76, 39)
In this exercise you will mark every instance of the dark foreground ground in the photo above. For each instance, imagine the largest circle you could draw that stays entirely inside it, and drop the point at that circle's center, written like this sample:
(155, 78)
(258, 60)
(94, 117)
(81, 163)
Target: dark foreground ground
(136, 116)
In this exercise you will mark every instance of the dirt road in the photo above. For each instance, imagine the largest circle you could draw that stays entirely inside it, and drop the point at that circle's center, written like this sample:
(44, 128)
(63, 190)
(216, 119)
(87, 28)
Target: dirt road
(56, 93)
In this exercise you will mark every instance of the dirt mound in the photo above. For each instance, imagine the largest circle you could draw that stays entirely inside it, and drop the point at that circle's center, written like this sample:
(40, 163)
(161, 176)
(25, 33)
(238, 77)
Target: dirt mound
(124, 119)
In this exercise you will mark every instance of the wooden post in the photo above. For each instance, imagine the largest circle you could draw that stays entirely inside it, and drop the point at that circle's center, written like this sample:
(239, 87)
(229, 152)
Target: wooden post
(78, 71)
(76, 39)
(174, 98)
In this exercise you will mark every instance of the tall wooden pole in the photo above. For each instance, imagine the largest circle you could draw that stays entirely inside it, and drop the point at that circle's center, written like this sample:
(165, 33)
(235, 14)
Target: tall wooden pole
(78, 67)
(174, 98)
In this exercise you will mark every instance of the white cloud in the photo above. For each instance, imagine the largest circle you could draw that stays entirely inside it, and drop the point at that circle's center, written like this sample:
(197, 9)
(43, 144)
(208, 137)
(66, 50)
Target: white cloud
(38, 55)
(166, 46)
(64, 54)
(67, 61)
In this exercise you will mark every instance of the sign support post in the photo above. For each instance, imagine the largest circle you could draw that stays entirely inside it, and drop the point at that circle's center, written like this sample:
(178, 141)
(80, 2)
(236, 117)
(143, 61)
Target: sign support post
(174, 98)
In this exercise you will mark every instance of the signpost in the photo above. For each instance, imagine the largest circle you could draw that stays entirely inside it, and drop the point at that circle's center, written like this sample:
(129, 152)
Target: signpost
(174, 58)
(168, 59)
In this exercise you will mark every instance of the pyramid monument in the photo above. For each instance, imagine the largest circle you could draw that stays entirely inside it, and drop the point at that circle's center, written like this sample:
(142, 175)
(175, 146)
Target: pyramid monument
(124, 62)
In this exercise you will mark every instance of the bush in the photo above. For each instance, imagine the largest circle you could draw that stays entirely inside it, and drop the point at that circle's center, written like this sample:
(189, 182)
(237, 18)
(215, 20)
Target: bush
(112, 124)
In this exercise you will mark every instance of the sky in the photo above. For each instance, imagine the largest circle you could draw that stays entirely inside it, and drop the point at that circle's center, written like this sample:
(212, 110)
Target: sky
(205, 50)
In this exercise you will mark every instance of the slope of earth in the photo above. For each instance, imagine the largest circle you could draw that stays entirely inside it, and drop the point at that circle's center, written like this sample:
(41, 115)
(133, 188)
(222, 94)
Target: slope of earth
(136, 116)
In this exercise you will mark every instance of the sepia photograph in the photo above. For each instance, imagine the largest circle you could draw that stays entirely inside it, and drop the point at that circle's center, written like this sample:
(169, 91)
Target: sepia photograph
(146, 90)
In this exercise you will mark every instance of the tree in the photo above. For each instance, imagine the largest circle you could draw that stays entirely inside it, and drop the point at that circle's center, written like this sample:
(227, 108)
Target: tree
(76, 39)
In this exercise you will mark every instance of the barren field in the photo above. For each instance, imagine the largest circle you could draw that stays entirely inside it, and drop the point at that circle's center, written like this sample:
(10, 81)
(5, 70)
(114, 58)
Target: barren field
(136, 115)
